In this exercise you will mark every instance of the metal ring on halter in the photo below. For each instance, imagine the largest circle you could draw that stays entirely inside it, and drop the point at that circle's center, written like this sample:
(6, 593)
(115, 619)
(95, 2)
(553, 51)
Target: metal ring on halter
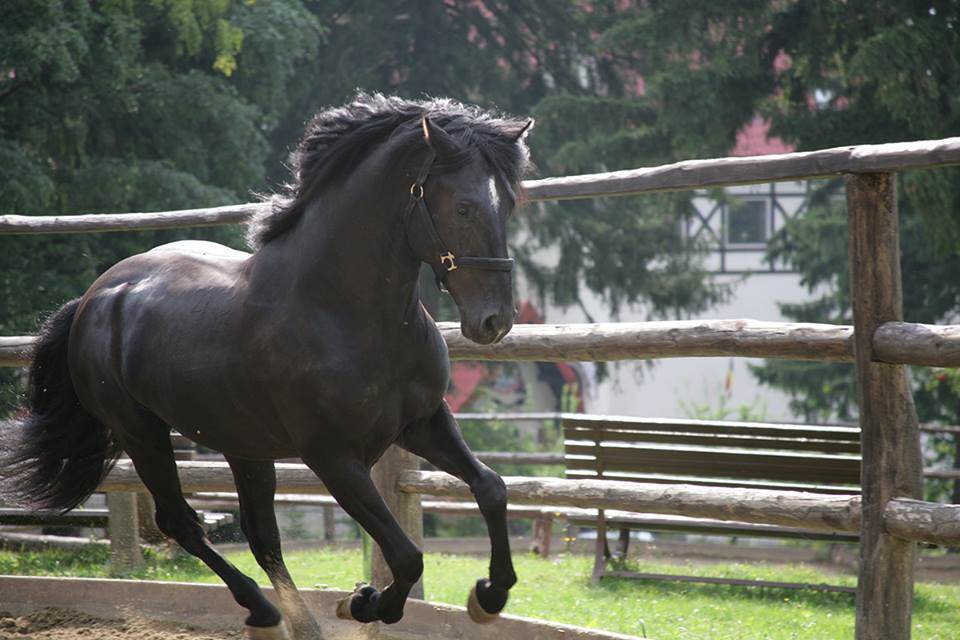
(414, 193)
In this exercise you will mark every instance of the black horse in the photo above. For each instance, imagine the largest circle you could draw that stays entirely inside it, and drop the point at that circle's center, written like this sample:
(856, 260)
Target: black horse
(315, 346)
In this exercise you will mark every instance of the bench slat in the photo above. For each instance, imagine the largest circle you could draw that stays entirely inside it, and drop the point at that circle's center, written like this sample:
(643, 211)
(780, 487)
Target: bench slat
(722, 427)
(723, 464)
(707, 526)
(746, 442)
(836, 489)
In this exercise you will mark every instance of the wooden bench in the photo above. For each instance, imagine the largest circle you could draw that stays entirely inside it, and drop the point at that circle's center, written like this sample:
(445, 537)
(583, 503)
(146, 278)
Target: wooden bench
(784, 457)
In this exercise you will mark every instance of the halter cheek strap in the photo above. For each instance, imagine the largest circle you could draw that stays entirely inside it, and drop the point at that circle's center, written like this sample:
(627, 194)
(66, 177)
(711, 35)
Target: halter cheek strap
(424, 239)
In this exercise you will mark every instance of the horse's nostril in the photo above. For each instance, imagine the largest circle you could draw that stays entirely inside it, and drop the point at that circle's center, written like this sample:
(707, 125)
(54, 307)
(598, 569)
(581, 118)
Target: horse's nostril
(489, 324)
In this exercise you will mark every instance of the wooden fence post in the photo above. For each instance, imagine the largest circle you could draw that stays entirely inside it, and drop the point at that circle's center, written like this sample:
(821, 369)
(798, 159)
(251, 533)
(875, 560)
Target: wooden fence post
(404, 506)
(147, 520)
(329, 524)
(542, 532)
(890, 436)
(123, 531)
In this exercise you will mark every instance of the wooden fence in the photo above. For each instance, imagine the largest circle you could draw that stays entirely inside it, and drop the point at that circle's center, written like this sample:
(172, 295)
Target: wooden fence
(889, 514)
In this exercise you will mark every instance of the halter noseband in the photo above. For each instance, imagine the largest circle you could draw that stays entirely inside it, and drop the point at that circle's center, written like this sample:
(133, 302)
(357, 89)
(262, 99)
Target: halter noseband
(426, 242)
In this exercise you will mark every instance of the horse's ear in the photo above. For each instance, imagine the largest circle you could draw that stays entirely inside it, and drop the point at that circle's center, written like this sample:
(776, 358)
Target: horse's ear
(522, 131)
(441, 141)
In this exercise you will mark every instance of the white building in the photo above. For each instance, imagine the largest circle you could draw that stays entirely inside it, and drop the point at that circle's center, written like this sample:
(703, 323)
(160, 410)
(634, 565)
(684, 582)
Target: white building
(739, 229)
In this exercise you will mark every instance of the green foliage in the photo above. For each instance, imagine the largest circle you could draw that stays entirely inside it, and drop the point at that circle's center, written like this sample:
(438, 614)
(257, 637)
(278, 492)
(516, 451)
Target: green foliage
(276, 64)
(130, 106)
(93, 561)
(122, 106)
(84, 561)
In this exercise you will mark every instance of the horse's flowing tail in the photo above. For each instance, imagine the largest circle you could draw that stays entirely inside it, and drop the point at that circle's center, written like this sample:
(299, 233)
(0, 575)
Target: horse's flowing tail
(54, 453)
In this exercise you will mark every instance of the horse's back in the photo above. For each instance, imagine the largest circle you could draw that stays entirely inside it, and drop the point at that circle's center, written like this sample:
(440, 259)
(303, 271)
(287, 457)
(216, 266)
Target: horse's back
(167, 277)
(172, 304)
(201, 248)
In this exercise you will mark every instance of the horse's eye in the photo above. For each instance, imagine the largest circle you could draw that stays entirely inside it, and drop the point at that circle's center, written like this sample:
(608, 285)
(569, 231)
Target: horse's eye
(463, 210)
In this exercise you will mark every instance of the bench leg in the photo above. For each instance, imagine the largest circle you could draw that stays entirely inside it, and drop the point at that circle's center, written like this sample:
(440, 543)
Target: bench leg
(147, 523)
(541, 536)
(601, 552)
(548, 537)
(545, 534)
(329, 524)
(570, 536)
(624, 543)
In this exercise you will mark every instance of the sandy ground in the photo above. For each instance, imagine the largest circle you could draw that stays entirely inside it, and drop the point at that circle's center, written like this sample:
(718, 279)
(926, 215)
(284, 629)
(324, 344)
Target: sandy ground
(65, 624)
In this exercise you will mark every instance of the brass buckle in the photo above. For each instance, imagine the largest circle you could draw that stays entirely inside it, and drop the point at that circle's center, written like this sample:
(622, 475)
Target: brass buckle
(414, 193)
(453, 261)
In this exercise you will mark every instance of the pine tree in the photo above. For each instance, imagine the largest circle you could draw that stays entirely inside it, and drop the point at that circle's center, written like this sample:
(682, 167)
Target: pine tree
(130, 106)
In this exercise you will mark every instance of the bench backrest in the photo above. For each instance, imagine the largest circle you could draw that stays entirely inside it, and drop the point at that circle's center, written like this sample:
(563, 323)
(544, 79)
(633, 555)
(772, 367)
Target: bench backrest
(714, 453)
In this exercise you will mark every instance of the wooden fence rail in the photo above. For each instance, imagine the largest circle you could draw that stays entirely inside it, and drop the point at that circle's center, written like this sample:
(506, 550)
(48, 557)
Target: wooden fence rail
(487, 457)
(688, 174)
(905, 518)
(893, 342)
(96, 222)
(814, 511)
(728, 172)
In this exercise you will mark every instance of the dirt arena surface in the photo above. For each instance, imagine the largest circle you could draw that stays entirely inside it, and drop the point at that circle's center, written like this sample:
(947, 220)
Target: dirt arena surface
(66, 624)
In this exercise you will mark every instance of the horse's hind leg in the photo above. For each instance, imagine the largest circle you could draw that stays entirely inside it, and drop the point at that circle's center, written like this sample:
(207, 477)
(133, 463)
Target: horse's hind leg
(146, 439)
(439, 441)
(256, 484)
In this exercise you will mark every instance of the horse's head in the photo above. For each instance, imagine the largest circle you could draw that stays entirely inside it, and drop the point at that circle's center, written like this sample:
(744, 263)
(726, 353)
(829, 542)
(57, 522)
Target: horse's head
(468, 200)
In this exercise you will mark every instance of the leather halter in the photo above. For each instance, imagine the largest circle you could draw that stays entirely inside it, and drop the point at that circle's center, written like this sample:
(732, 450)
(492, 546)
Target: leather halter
(424, 239)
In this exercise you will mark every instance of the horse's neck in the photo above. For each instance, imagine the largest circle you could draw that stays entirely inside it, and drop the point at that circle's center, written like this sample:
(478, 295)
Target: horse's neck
(350, 249)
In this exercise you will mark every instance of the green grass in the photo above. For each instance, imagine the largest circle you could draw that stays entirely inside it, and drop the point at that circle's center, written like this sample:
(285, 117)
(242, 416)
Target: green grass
(559, 589)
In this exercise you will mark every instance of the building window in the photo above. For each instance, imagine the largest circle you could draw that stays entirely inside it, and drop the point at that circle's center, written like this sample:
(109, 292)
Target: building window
(747, 222)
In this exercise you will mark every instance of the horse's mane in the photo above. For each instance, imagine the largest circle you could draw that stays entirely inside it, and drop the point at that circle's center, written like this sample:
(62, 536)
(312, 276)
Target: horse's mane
(337, 139)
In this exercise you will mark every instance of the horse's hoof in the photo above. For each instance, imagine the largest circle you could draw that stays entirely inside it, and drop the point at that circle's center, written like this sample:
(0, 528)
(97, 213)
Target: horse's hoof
(477, 612)
(343, 608)
(276, 632)
(360, 606)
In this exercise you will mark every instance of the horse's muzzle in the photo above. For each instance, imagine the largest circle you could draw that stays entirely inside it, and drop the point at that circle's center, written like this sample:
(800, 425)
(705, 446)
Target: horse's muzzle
(491, 327)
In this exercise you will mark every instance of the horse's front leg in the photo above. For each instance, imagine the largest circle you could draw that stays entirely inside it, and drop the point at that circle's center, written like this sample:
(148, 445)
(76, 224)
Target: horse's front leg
(349, 482)
(440, 442)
